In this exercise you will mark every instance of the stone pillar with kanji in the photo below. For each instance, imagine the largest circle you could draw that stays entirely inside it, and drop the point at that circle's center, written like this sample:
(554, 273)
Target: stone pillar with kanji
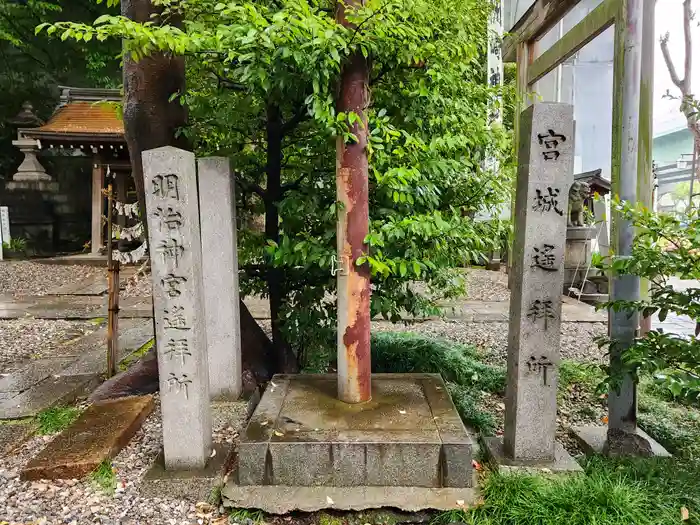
(545, 173)
(172, 209)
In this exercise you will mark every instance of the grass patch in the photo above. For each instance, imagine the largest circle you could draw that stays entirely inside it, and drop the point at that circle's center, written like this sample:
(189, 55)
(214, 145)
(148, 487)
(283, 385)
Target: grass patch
(246, 516)
(676, 426)
(624, 492)
(104, 477)
(136, 355)
(459, 365)
(55, 419)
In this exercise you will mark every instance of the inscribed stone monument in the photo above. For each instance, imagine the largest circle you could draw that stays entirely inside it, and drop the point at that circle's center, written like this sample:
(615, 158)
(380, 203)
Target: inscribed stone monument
(176, 264)
(545, 173)
(220, 275)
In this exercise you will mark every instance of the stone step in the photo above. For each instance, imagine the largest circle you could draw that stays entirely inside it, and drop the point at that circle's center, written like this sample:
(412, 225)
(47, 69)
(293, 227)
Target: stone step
(97, 435)
(594, 298)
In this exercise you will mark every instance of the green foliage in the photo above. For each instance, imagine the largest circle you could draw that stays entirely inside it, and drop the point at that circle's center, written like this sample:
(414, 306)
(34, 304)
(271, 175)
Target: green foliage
(56, 419)
(16, 244)
(262, 83)
(624, 492)
(104, 477)
(664, 246)
(466, 376)
(247, 516)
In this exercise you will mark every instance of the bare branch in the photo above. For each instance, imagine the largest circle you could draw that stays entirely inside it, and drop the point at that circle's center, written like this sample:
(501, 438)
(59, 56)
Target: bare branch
(669, 63)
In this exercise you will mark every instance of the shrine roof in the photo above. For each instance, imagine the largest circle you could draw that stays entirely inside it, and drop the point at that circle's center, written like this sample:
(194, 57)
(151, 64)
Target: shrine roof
(84, 115)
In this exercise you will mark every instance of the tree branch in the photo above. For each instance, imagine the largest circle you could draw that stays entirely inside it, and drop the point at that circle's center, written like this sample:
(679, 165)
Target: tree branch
(251, 186)
(669, 63)
(227, 83)
(299, 116)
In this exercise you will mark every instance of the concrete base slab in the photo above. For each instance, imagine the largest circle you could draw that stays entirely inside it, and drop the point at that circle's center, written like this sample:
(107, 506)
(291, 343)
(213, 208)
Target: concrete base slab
(192, 485)
(50, 392)
(284, 499)
(408, 435)
(98, 434)
(563, 462)
(592, 439)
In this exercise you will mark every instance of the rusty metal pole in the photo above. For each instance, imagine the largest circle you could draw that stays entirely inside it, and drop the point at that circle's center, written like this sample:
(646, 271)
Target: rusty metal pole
(352, 171)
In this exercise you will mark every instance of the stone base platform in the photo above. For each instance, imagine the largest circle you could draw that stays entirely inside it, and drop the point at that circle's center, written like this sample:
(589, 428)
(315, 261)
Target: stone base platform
(408, 435)
(592, 440)
(280, 499)
(563, 463)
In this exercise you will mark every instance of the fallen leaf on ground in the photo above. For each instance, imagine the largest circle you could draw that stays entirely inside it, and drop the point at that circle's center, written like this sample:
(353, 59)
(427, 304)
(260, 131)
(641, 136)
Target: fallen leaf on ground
(685, 515)
(278, 433)
(604, 419)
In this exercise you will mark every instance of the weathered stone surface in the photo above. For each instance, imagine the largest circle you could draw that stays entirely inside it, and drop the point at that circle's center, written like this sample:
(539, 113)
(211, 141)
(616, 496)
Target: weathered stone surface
(284, 499)
(545, 173)
(133, 333)
(592, 440)
(98, 434)
(409, 434)
(220, 276)
(190, 484)
(33, 372)
(176, 267)
(49, 392)
(13, 435)
(561, 463)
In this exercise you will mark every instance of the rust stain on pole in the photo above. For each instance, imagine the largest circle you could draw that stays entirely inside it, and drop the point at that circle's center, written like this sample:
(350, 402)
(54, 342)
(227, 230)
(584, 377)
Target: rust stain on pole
(354, 362)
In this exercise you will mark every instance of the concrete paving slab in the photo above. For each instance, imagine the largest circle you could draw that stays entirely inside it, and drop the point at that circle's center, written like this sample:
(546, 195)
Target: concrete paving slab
(592, 440)
(409, 434)
(97, 435)
(12, 435)
(563, 463)
(33, 372)
(96, 284)
(283, 499)
(133, 333)
(50, 392)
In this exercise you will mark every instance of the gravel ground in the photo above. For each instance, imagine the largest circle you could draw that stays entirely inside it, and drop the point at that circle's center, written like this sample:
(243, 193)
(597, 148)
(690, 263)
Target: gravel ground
(492, 338)
(485, 285)
(78, 502)
(31, 278)
(29, 338)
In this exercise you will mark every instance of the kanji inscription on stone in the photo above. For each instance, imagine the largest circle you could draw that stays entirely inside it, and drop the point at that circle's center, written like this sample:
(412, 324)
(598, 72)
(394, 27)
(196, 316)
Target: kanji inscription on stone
(545, 173)
(176, 265)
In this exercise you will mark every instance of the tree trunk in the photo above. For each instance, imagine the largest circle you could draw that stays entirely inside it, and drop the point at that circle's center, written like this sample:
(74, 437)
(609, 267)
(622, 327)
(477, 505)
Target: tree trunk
(273, 194)
(150, 117)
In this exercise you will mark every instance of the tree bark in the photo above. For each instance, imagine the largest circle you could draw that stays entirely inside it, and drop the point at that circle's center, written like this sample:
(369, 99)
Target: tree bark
(273, 194)
(150, 117)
